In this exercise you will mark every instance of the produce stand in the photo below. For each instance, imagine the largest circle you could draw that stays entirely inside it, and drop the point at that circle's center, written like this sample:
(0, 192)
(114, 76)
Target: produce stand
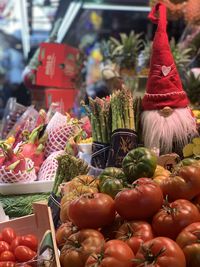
(119, 185)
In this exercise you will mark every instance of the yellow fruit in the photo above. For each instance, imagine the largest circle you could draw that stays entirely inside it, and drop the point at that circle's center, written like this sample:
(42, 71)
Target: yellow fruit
(196, 150)
(160, 171)
(196, 141)
(188, 150)
(10, 140)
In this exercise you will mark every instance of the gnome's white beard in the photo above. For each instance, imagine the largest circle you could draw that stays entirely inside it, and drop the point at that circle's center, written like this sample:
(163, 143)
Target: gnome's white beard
(163, 132)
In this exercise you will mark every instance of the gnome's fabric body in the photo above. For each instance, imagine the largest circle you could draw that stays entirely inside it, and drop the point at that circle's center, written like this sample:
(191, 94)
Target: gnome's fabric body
(167, 121)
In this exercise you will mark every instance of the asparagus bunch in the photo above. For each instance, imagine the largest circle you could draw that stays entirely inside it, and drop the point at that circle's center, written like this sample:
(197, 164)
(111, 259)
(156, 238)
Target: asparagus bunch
(99, 114)
(68, 168)
(122, 110)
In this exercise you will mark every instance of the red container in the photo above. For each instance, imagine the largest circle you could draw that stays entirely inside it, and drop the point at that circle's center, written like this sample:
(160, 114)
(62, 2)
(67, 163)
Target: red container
(42, 98)
(58, 65)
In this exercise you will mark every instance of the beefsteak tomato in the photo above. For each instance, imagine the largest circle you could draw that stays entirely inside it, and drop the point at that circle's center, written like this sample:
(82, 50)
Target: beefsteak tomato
(189, 241)
(160, 252)
(139, 162)
(115, 253)
(173, 217)
(79, 246)
(63, 232)
(141, 201)
(92, 211)
(182, 184)
(134, 233)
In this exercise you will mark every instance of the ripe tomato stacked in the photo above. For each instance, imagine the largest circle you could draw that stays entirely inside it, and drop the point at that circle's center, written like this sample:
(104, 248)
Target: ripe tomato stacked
(16, 248)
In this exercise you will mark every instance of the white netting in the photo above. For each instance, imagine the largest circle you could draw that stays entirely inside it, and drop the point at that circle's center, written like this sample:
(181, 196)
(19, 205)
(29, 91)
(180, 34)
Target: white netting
(58, 137)
(12, 177)
(49, 167)
(56, 121)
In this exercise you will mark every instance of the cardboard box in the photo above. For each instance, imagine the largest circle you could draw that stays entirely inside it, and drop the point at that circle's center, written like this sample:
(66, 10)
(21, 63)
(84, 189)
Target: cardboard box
(37, 223)
(58, 65)
(42, 98)
(66, 96)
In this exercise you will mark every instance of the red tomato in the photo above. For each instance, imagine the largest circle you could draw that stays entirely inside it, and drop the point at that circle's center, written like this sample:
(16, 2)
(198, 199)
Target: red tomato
(63, 232)
(134, 233)
(79, 246)
(160, 252)
(8, 234)
(92, 211)
(15, 243)
(23, 253)
(188, 240)
(109, 232)
(30, 241)
(184, 184)
(141, 201)
(173, 217)
(7, 256)
(1, 237)
(4, 246)
(116, 253)
(7, 264)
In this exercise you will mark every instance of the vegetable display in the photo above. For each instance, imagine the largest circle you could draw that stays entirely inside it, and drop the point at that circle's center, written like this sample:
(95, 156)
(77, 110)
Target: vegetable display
(139, 162)
(16, 249)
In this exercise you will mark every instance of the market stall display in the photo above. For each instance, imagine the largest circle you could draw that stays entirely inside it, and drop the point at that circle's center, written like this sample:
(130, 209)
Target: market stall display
(121, 186)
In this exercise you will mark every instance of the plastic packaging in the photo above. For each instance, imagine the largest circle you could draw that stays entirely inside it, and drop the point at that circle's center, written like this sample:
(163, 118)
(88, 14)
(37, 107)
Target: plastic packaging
(12, 113)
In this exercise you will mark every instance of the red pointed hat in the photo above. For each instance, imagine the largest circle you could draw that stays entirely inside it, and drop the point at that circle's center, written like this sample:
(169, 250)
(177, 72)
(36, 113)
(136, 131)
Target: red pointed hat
(164, 86)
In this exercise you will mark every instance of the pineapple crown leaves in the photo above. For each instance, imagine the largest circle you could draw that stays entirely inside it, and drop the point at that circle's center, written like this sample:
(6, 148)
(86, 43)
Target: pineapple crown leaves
(182, 57)
(124, 51)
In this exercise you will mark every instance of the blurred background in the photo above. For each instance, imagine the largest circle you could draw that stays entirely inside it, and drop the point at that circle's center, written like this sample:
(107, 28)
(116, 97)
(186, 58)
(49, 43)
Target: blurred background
(95, 28)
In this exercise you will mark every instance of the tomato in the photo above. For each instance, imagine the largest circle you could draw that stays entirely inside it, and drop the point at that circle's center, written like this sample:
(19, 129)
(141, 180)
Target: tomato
(30, 241)
(23, 253)
(134, 233)
(7, 256)
(15, 243)
(173, 217)
(4, 246)
(116, 253)
(79, 246)
(64, 231)
(139, 162)
(8, 264)
(189, 241)
(188, 161)
(183, 184)
(8, 234)
(160, 171)
(88, 182)
(196, 202)
(112, 173)
(64, 205)
(139, 202)
(109, 232)
(1, 237)
(92, 211)
(160, 252)
(111, 187)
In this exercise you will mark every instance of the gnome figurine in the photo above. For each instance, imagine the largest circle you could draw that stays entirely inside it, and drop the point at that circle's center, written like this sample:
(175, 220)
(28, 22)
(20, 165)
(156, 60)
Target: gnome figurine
(167, 121)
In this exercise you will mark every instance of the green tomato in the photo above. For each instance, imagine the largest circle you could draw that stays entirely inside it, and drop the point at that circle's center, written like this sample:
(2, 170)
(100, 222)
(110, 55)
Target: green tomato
(139, 162)
(112, 173)
(188, 161)
(111, 187)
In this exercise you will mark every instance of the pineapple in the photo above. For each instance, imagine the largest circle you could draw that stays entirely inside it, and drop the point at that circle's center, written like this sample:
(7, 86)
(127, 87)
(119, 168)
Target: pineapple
(182, 56)
(123, 52)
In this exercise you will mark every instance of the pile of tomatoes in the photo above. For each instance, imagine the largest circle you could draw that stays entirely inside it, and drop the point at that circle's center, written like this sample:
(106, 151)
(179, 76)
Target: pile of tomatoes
(146, 223)
(15, 249)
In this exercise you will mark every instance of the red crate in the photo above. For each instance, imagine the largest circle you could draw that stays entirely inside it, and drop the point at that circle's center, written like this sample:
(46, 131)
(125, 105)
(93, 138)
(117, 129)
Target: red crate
(58, 65)
(42, 98)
